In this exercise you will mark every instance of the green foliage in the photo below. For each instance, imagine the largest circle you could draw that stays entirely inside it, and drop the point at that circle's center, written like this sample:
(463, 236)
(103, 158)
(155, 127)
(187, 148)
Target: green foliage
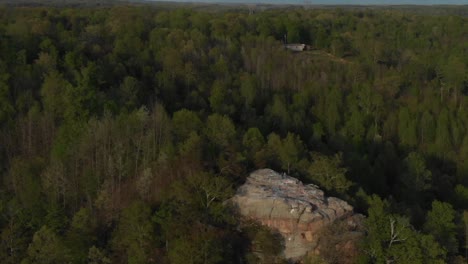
(185, 122)
(291, 151)
(288, 152)
(220, 130)
(7, 108)
(96, 256)
(55, 218)
(443, 136)
(333, 116)
(202, 246)
(416, 179)
(279, 114)
(265, 245)
(427, 128)
(81, 99)
(407, 128)
(248, 89)
(328, 173)
(202, 195)
(129, 92)
(134, 233)
(465, 222)
(102, 107)
(189, 221)
(81, 235)
(391, 237)
(52, 93)
(46, 248)
(461, 196)
(219, 99)
(25, 177)
(440, 223)
(15, 233)
(454, 74)
(253, 140)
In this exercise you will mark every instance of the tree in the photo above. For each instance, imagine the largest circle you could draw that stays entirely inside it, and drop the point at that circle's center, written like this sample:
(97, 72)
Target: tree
(81, 235)
(15, 234)
(129, 90)
(144, 183)
(355, 127)
(248, 89)
(81, 100)
(253, 140)
(290, 152)
(440, 223)
(454, 74)
(52, 92)
(293, 28)
(407, 129)
(443, 138)
(391, 239)
(464, 157)
(133, 235)
(201, 196)
(461, 196)
(265, 246)
(278, 114)
(203, 245)
(287, 152)
(332, 116)
(190, 220)
(416, 178)
(27, 186)
(6, 106)
(327, 171)
(184, 122)
(97, 256)
(192, 147)
(220, 130)
(427, 126)
(465, 221)
(220, 99)
(46, 248)
(254, 143)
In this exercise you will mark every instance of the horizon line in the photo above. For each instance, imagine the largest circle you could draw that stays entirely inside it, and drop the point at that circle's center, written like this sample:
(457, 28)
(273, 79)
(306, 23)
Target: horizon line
(305, 2)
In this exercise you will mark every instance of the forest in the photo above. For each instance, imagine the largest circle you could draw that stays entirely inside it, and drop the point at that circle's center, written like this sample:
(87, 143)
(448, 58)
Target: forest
(116, 121)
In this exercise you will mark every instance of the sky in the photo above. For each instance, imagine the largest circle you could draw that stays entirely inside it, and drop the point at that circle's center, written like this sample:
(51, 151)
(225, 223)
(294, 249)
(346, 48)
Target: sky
(338, 2)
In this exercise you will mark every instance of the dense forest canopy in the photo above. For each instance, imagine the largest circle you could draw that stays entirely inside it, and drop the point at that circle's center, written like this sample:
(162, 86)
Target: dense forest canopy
(117, 124)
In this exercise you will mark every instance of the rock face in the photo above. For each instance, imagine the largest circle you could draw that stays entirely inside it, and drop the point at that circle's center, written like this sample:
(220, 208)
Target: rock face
(298, 212)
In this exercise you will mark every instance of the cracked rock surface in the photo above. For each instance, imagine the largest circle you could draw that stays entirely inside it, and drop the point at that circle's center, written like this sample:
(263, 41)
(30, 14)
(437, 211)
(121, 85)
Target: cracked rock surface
(297, 211)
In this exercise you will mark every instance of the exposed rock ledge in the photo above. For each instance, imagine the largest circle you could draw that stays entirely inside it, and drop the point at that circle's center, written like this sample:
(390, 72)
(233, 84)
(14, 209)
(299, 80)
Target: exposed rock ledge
(298, 212)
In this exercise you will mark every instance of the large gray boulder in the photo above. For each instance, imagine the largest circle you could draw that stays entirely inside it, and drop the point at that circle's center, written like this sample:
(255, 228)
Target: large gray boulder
(298, 212)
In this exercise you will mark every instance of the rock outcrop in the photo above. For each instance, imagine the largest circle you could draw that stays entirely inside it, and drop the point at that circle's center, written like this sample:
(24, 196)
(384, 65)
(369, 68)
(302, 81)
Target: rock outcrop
(298, 212)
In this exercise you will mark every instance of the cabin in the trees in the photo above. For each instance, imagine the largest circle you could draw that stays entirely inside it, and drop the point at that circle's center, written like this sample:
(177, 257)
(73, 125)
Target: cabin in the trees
(295, 47)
